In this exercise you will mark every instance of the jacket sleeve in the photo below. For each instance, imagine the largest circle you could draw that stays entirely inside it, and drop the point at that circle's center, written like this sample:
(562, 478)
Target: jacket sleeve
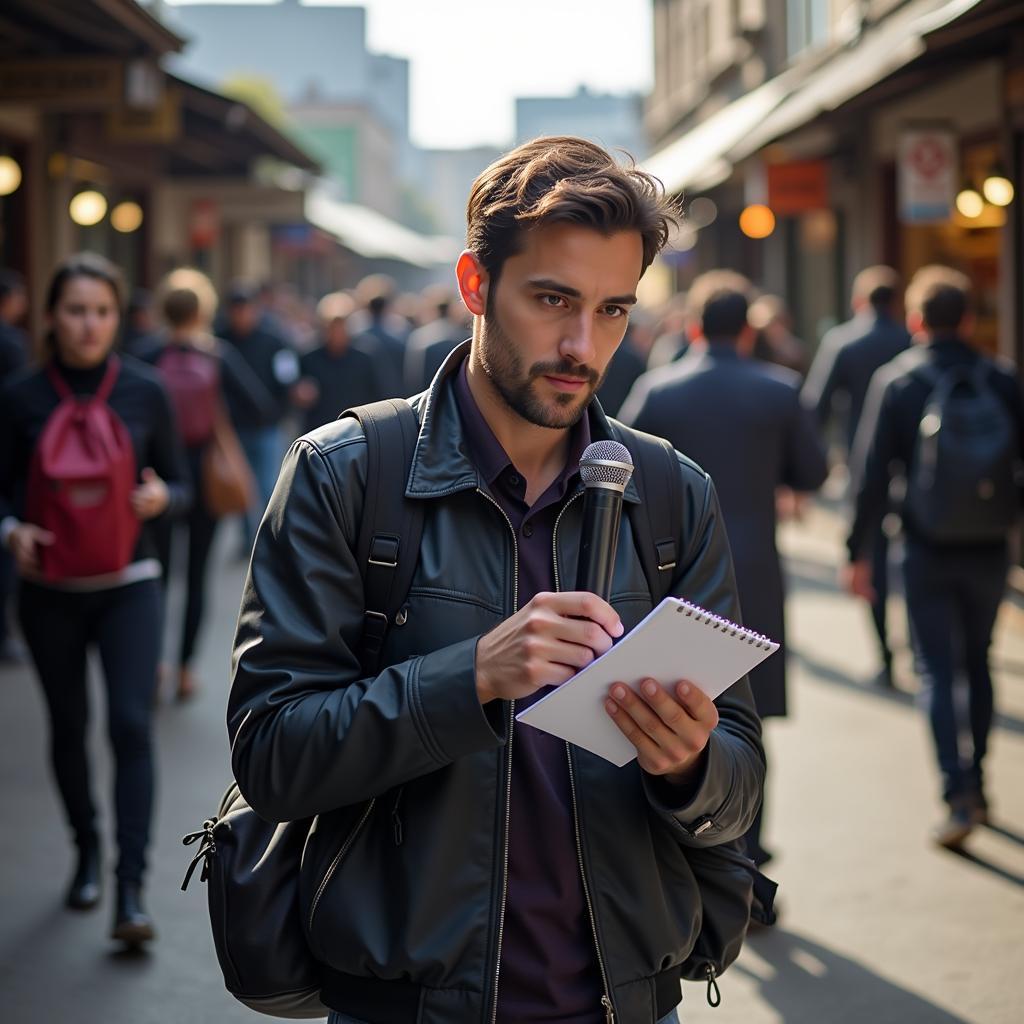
(167, 455)
(309, 732)
(876, 446)
(722, 802)
(805, 466)
(823, 379)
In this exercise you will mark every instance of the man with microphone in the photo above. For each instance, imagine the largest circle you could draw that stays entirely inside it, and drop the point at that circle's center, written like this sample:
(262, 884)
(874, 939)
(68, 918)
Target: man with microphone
(463, 867)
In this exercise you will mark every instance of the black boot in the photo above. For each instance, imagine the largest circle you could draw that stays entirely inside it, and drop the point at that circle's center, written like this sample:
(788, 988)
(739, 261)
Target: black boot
(132, 925)
(84, 891)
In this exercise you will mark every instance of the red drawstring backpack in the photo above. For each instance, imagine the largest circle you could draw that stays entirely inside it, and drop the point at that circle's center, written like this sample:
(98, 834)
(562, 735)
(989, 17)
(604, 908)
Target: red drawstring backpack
(192, 379)
(80, 483)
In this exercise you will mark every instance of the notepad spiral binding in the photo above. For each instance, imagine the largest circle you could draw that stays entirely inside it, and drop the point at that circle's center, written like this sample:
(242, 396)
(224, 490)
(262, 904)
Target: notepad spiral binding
(699, 614)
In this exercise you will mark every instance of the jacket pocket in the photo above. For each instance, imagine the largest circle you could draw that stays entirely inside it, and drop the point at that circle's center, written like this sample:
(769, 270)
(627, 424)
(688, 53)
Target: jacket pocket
(332, 867)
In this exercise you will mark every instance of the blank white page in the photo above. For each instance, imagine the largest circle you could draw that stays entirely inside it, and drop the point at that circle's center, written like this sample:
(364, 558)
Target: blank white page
(676, 641)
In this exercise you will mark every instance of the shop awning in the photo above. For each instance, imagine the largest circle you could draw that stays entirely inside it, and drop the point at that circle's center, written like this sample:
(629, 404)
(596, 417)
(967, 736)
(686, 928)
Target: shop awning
(880, 51)
(375, 237)
(697, 160)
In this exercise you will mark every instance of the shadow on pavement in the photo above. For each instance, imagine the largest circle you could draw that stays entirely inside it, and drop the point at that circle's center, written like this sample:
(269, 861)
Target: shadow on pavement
(995, 869)
(808, 982)
(1001, 830)
(830, 674)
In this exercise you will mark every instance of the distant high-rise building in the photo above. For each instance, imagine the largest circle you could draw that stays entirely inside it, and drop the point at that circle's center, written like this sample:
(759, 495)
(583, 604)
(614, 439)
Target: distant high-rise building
(613, 121)
(349, 105)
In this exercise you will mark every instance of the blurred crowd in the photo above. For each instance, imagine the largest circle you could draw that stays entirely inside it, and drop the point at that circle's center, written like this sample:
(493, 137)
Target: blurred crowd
(213, 387)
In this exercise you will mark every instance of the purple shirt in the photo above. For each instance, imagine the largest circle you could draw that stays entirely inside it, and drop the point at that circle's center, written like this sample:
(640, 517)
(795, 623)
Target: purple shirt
(549, 968)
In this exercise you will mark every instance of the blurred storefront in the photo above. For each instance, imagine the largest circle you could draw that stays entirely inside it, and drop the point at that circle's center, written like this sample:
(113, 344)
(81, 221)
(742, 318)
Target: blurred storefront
(894, 134)
(101, 149)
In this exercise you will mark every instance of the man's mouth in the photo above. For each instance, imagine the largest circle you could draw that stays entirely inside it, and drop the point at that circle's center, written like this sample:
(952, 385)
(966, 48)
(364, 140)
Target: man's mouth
(567, 383)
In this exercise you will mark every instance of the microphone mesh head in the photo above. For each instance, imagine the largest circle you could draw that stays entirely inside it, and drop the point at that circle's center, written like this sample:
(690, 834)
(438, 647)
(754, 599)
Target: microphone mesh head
(593, 472)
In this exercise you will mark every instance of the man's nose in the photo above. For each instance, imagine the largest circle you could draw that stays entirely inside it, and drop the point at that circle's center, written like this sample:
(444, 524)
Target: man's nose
(578, 342)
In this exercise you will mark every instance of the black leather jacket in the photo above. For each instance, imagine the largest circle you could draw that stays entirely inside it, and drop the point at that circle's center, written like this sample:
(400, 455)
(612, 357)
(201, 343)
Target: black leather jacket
(403, 876)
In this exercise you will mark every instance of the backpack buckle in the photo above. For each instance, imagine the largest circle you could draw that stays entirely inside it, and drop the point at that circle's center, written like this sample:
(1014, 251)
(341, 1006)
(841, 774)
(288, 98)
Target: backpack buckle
(384, 551)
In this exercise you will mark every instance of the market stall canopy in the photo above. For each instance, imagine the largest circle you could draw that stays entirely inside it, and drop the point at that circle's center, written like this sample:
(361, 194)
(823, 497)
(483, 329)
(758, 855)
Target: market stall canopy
(223, 135)
(879, 52)
(50, 28)
(375, 237)
(697, 160)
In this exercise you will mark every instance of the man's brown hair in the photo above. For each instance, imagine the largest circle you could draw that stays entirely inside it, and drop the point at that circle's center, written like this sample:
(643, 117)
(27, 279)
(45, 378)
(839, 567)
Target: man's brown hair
(877, 285)
(941, 295)
(562, 180)
(719, 300)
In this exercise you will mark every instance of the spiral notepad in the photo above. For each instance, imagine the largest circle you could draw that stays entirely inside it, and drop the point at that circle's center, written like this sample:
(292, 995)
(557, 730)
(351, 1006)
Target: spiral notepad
(678, 640)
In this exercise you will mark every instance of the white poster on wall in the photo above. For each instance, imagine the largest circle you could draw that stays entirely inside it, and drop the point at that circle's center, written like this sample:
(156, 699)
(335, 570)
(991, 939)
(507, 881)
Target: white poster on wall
(927, 175)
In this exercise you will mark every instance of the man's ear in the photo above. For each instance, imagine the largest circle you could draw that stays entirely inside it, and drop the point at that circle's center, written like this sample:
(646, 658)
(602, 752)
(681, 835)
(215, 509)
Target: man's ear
(473, 282)
(746, 340)
(915, 322)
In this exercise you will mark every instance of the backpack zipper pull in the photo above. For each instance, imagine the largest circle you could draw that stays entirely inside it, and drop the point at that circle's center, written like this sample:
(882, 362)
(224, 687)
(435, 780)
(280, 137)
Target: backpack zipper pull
(714, 993)
(396, 818)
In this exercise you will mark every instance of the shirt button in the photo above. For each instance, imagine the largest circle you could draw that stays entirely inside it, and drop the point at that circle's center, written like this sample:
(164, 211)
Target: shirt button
(528, 530)
(513, 479)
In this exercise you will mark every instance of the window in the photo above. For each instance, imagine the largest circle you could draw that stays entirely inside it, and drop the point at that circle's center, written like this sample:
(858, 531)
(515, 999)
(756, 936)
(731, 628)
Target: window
(807, 25)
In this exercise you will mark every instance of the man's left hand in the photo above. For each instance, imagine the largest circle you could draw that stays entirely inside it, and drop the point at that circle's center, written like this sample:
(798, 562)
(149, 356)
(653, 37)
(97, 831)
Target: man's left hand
(669, 731)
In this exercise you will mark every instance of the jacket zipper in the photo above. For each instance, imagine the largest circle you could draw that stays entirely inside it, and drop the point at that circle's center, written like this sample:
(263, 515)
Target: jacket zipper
(606, 999)
(345, 846)
(508, 777)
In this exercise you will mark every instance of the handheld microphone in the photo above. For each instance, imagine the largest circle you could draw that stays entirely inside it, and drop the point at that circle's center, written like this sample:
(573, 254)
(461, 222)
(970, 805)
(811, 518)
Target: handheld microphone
(605, 469)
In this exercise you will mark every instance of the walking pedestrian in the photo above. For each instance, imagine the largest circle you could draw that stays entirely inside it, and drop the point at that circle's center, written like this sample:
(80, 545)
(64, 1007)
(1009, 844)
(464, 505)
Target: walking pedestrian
(90, 458)
(204, 377)
(497, 873)
(14, 347)
(429, 345)
(950, 421)
(335, 375)
(741, 420)
(276, 365)
(838, 380)
(384, 335)
(775, 341)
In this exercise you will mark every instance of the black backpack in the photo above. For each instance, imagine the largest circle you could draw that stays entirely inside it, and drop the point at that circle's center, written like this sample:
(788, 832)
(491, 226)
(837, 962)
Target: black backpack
(962, 484)
(252, 866)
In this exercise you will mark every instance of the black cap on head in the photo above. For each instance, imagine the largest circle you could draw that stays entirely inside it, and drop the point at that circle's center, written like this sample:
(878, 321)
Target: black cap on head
(241, 293)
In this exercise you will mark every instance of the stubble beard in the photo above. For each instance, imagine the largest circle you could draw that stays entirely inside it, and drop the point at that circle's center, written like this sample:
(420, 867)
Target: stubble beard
(518, 388)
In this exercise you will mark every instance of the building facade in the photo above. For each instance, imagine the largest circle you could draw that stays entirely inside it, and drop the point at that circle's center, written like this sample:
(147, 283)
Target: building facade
(859, 131)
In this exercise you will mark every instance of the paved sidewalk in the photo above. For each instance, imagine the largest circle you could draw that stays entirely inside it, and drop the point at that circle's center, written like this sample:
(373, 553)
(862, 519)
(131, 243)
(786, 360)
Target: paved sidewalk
(877, 927)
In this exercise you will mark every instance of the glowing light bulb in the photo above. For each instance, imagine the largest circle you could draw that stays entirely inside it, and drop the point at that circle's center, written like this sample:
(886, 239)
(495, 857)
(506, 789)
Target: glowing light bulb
(998, 190)
(757, 221)
(10, 175)
(87, 208)
(126, 217)
(969, 203)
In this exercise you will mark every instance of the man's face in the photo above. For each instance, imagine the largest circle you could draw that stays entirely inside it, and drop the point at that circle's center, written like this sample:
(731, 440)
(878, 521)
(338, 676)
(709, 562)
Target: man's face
(554, 320)
(242, 317)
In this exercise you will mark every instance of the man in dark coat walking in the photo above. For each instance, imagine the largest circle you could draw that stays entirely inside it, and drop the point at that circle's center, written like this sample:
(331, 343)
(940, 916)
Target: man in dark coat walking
(847, 358)
(741, 420)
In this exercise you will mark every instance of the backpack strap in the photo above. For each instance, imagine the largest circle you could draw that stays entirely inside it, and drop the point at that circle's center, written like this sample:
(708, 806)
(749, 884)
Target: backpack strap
(658, 521)
(388, 546)
(60, 385)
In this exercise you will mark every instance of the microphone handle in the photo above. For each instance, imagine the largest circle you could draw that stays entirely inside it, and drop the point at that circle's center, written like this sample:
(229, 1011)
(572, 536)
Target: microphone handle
(602, 513)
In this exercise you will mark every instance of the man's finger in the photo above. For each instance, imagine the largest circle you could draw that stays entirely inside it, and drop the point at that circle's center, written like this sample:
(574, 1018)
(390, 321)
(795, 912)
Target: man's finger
(642, 714)
(590, 606)
(698, 704)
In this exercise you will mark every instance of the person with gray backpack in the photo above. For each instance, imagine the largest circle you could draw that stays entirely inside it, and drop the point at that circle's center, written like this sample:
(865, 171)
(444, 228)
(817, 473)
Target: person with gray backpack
(948, 421)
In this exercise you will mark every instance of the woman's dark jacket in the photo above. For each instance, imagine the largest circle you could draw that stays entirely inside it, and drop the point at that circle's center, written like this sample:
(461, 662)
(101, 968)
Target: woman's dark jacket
(139, 399)
(408, 930)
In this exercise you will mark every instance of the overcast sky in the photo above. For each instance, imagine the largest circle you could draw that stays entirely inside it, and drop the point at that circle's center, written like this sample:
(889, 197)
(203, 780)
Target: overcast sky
(470, 58)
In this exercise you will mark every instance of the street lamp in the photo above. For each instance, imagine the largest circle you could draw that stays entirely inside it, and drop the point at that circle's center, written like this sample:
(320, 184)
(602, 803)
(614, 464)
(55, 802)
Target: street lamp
(87, 208)
(757, 221)
(126, 217)
(969, 202)
(997, 187)
(10, 175)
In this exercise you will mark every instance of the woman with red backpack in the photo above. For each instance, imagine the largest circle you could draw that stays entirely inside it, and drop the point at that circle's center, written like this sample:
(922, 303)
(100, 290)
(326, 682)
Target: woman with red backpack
(91, 455)
(207, 381)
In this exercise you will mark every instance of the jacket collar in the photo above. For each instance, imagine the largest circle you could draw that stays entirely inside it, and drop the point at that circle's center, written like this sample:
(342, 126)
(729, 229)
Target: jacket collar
(441, 463)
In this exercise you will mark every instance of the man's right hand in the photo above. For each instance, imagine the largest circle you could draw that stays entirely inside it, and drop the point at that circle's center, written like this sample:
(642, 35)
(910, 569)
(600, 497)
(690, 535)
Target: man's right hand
(24, 542)
(545, 643)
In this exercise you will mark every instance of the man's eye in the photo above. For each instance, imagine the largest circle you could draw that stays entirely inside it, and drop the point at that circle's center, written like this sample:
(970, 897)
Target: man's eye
(552, 301)
(615, 311)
